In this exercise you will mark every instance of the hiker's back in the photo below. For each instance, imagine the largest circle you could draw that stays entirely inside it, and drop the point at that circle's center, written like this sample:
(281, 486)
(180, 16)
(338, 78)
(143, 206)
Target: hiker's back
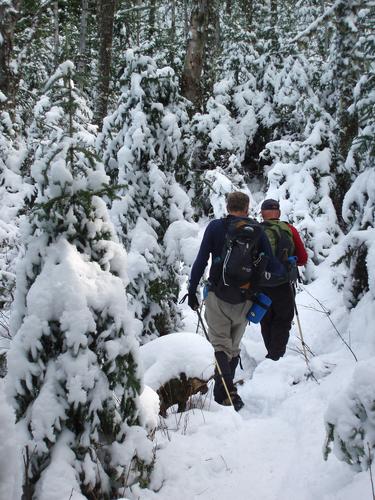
(236, 270)
(281, 241)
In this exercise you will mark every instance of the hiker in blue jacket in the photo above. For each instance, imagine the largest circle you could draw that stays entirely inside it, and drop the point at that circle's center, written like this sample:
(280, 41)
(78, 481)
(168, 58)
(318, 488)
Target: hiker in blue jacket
(226, 307)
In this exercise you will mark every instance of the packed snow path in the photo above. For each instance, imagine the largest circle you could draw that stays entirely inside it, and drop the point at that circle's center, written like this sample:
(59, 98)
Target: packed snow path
(273, 448)
(270, 450)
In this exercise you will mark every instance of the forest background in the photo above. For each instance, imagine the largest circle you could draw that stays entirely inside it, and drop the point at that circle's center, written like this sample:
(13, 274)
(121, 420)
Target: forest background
(124, 123)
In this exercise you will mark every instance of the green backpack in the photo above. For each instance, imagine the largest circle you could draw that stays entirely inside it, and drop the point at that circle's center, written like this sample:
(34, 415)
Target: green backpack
(280, 237)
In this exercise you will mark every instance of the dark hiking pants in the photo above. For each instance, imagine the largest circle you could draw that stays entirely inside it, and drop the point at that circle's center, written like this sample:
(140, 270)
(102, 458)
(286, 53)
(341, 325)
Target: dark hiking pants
(277, 322)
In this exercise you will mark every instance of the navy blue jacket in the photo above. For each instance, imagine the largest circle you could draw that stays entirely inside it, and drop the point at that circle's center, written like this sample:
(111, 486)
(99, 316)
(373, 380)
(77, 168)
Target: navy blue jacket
(213, 243)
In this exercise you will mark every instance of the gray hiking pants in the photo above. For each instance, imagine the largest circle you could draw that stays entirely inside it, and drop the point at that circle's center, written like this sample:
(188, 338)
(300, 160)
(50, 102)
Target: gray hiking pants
(226, 324)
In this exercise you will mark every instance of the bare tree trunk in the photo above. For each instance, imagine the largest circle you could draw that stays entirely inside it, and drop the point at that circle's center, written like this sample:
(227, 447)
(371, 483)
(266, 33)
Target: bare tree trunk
(172, 34)
(228, 7)
(173, 20)
(139, 22)
(191, 84)
(274, 26)
(212, 49)
(106, 13)
(81, 63)
(247, 9)
(8, 18)
(347, 71)
(186, 20)
(56, 34)
(151, 19)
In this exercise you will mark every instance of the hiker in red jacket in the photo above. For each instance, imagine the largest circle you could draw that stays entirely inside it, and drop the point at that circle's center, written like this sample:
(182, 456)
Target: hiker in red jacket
(285, 242)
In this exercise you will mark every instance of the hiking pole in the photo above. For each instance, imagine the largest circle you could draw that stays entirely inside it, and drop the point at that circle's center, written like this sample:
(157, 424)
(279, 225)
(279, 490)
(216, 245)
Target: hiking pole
(299, 324)
(216, 363)
(200, 310)
(293, 276)
(206, 335)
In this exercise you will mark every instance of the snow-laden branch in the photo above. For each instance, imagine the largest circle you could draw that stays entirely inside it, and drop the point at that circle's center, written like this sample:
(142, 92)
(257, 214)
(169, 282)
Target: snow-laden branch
(314, 25)
(326, 15)
(33, 29)
(137, 8)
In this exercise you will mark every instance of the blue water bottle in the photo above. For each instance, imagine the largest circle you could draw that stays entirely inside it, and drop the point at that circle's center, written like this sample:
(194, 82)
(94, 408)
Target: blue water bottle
(261, 304)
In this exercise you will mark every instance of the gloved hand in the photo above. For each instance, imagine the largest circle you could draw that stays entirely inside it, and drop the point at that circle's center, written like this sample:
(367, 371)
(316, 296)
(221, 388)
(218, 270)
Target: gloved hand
(193, 301)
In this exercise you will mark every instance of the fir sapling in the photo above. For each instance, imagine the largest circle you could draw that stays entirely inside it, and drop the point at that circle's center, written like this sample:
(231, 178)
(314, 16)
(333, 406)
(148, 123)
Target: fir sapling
(73, 371)
(143, 143)
(350, 420)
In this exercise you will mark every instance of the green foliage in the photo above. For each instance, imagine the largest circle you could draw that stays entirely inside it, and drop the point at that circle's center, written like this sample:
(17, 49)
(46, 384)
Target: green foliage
(143, 143)
(68, 342)
(350, 420)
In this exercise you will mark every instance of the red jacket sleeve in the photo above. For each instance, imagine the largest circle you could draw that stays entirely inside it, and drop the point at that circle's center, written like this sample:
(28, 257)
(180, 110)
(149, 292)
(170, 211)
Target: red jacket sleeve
(300, 250)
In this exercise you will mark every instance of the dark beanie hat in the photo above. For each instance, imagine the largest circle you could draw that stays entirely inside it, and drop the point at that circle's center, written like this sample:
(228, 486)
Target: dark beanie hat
(270, 205)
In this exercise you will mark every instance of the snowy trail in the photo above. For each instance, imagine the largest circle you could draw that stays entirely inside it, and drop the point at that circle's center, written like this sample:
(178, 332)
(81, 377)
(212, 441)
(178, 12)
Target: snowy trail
(272, 449)
(240, 460)
(266, 452)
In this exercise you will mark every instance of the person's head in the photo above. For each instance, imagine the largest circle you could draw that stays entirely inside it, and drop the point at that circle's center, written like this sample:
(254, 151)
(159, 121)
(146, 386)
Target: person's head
(238, 204)
(270, 209)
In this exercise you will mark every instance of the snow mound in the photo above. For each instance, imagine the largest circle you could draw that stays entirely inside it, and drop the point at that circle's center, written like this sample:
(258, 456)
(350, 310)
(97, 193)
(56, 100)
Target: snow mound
(150, 406)
(166, 357)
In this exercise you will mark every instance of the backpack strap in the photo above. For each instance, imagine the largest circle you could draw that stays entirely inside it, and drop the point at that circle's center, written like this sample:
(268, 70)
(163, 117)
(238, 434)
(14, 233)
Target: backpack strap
(217, 263)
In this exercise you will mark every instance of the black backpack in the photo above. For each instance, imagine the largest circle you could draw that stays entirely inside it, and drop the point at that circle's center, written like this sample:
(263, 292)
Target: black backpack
(241, 264)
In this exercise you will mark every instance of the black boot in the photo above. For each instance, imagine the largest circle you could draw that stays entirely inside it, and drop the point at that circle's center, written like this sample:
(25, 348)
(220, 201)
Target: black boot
(233, 365)
(220, 393)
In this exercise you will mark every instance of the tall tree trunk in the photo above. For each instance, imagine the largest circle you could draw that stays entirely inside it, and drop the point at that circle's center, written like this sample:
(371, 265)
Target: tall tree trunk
(191, 77)
(173, 21)
(212, 49)
(151, 19)
(247, 9)
(347, 74)
(186, 19)
(139, 23)
(347, 71)
(172, 34)
(56, 33)
(274, 26)
(8, 18)
(106, 13)
(81, 64)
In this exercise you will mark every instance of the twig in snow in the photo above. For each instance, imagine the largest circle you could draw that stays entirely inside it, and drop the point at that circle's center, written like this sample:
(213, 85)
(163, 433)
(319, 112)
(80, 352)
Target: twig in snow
(327, 313)
(226, 465)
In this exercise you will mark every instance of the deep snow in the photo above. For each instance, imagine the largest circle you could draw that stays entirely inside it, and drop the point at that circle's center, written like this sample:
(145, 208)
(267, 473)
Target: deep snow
(273, 448)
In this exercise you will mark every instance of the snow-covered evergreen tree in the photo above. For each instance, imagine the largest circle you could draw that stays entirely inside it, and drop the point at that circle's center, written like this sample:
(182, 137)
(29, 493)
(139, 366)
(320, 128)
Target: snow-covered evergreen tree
(73, 370)
(143, 143)
(7, 231)
(13, 193)
(300, 160)
(222, 134)
(350, 420)
(355, 254)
